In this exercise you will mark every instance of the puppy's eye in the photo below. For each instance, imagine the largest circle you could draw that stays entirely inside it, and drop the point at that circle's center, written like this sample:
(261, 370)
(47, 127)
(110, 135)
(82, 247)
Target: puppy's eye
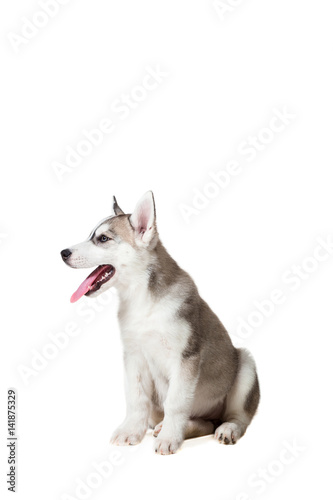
(103, 238)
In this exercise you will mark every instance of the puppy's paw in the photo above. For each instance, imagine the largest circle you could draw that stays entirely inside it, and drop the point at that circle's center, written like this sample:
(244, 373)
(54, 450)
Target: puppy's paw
(128, 435)
(157, 429)
(228, 433)
(166, 445)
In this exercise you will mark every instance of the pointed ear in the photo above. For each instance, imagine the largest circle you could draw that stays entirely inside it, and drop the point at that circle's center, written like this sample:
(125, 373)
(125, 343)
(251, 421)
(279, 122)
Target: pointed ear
(115, 207)
(143, 219)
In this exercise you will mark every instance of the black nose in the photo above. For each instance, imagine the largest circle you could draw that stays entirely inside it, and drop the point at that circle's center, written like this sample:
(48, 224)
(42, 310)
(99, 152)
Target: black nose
(65, 254)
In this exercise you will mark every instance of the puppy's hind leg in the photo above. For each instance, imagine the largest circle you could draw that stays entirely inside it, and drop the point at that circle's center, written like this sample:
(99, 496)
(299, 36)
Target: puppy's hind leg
(195, 427)
(241, 402)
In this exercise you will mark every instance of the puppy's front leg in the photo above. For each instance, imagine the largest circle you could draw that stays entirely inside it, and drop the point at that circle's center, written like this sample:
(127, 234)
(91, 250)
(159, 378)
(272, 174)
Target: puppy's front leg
(177, 406)
(138, 386)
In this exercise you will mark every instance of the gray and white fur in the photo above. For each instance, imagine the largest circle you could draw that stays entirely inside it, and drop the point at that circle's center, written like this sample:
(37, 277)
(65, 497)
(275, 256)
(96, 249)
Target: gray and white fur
(184, 378)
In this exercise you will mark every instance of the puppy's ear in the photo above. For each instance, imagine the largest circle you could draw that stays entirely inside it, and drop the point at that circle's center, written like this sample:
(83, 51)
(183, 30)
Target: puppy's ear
(143, 219)
(115, 207)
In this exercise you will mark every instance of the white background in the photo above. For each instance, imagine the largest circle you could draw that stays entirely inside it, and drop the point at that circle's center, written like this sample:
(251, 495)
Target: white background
(226, 74)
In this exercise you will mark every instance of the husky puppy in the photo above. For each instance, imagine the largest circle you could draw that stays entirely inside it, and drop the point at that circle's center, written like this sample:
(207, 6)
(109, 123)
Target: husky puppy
(184, 378)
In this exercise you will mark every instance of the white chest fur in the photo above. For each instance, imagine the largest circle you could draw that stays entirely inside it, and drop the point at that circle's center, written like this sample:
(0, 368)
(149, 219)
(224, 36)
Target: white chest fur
(152, 327)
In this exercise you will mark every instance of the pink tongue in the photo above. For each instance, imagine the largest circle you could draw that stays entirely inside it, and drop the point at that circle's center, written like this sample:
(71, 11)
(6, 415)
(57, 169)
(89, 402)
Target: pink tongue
(85, 285)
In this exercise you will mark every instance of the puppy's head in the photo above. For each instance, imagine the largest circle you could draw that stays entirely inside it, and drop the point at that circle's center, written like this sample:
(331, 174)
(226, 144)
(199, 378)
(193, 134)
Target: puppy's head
(118, 246)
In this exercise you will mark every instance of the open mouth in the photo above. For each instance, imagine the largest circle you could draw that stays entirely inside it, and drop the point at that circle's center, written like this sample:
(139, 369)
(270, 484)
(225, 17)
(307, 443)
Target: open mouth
(94, 281)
